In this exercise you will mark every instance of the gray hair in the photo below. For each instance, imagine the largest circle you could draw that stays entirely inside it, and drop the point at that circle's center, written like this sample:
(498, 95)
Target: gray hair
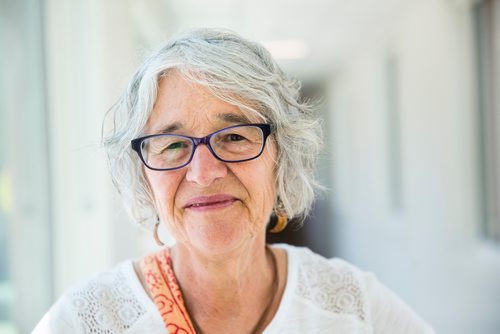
(239, 72)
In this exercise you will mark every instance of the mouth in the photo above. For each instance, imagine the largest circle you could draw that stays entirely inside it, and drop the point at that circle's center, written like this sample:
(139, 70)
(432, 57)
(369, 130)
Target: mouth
(204, 203)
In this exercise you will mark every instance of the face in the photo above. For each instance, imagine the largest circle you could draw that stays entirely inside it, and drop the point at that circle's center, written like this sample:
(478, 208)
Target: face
(209, 205)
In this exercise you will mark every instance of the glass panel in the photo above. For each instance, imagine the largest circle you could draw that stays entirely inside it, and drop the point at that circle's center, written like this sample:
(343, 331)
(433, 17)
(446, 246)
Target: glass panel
(6, 288)
(25, 266)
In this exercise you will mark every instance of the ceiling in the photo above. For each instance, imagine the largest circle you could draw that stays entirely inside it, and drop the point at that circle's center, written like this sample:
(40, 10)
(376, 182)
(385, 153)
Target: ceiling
(330, 29)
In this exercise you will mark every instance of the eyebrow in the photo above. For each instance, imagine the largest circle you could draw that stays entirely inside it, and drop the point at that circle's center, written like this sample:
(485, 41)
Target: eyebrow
(226, 117)
(171, 128)
(233, 118)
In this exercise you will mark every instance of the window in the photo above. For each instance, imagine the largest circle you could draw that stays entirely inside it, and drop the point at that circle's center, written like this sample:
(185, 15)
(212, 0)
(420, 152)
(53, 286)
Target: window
(25, 284)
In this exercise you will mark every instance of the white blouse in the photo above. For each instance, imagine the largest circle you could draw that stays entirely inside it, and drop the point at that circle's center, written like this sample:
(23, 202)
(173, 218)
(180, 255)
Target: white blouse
(321, 296)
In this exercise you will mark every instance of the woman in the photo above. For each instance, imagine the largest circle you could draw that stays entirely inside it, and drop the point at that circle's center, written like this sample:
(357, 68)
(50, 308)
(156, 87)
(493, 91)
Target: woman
(210, 140)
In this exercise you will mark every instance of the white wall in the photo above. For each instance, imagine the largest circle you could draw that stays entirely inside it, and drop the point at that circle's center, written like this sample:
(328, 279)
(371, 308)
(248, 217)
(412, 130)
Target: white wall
(430, 251)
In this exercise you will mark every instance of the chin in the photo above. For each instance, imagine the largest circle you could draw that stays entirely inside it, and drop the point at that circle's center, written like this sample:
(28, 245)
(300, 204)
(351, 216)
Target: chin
(217, 238)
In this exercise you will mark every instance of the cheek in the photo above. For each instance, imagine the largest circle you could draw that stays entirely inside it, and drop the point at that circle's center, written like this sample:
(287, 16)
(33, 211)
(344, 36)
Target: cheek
(260, 181)
(164, 187)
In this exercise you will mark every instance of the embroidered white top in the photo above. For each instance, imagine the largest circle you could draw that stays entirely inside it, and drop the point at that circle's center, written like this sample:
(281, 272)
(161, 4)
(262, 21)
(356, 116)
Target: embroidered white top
(321, 296)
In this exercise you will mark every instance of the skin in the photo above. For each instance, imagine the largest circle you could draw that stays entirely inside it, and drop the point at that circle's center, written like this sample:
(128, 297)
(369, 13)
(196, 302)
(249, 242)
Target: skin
(221, 249)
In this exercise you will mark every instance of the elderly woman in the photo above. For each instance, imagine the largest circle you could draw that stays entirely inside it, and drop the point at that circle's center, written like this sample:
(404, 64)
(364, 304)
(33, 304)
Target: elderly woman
(211, 141)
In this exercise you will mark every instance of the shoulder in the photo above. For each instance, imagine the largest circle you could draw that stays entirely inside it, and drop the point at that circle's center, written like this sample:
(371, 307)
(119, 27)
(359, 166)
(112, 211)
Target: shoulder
(109, 302)
(338, 289)
(331, 285)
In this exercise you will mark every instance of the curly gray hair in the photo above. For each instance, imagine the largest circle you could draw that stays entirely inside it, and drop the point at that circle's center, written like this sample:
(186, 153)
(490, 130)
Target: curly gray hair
(239, 72)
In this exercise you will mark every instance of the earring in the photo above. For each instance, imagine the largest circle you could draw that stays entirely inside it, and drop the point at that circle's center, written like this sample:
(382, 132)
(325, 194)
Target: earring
(155, 234)
(281, 221)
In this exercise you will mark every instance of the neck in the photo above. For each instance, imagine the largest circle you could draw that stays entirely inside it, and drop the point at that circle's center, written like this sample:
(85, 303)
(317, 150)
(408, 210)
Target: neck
(229, 292)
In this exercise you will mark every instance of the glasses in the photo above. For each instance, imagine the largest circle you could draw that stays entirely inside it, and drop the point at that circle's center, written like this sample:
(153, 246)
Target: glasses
(236, 143)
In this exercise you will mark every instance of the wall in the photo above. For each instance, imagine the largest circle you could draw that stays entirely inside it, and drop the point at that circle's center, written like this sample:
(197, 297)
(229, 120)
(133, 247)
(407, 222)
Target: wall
(426, 245)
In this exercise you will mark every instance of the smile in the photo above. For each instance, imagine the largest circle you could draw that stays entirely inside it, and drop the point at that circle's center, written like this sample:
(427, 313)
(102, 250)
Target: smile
(204, 203)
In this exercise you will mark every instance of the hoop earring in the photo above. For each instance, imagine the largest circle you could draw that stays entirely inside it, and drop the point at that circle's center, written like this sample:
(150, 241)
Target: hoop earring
(155, 234)
(281, 221)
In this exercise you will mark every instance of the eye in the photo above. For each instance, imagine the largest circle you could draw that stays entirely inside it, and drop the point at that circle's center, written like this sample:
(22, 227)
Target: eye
(234, 137)
(176, 145)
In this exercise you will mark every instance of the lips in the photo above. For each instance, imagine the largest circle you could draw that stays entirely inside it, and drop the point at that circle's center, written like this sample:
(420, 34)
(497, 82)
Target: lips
(210, 202)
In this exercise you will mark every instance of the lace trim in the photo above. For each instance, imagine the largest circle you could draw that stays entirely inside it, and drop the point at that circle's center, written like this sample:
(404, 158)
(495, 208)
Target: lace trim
(331, 286)
(106, 304)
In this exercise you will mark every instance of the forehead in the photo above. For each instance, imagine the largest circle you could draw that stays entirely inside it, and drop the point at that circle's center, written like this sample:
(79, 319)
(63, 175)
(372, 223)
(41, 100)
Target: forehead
(184, 106)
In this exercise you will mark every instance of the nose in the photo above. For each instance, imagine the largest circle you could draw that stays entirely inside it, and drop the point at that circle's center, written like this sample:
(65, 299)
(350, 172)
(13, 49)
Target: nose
(204, 168)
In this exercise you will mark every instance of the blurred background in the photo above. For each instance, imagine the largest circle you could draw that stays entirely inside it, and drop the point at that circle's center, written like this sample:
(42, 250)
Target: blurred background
(412, 147)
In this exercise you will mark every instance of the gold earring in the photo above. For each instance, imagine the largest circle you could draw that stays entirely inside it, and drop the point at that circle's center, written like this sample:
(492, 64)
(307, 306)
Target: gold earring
(155, 234)
(281, 221)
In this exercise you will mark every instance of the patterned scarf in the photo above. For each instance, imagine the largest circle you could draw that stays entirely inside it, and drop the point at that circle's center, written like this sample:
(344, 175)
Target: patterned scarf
(161, 282)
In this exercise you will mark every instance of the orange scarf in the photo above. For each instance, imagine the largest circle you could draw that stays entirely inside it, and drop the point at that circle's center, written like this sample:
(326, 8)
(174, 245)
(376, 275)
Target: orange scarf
(161, 282)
